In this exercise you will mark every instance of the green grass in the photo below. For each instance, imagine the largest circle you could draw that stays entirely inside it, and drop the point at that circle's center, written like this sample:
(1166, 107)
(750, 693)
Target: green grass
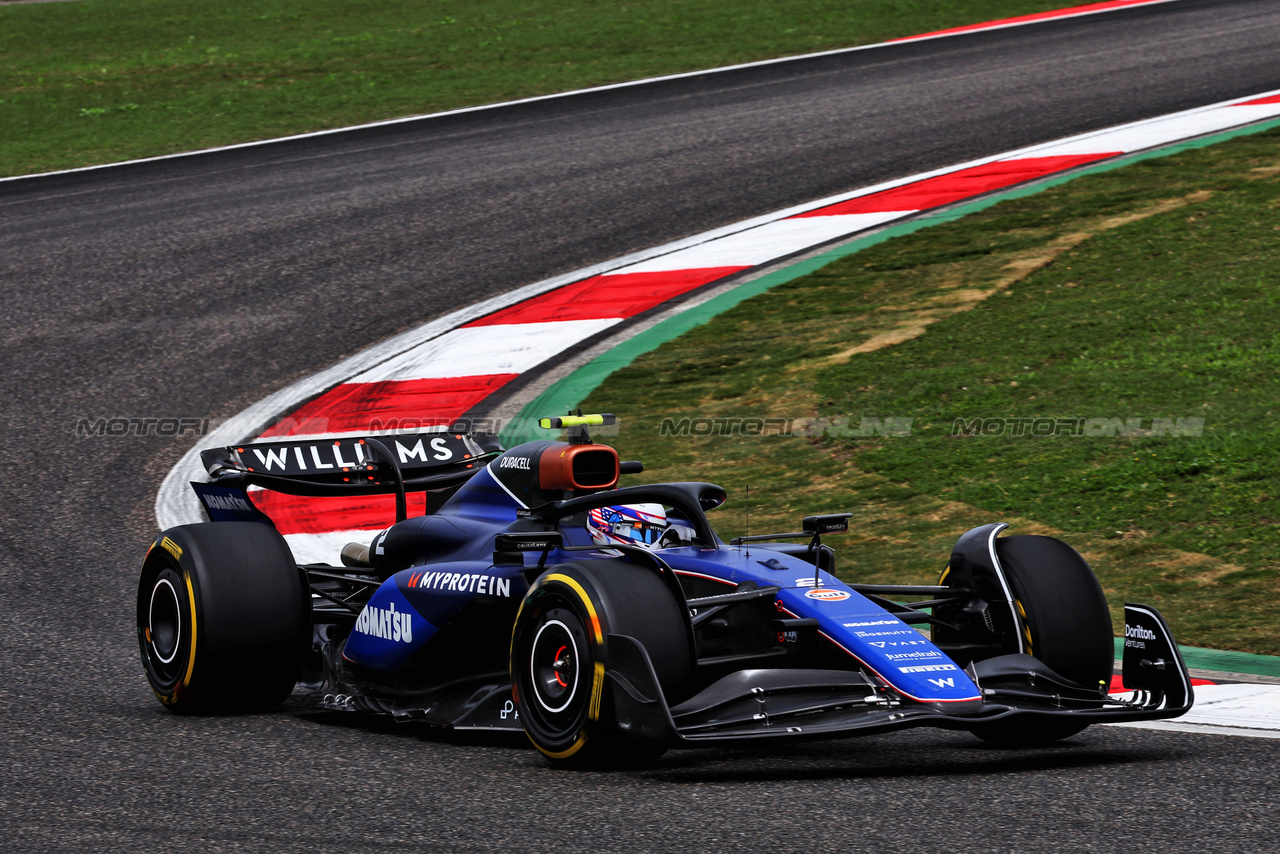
(1145, 292)
(97, 81)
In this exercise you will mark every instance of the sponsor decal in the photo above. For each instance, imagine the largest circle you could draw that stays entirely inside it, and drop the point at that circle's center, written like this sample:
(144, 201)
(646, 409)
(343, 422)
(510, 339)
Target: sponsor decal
(229, 502)
(1135, 637)
(914, 656)
(927, 668)
(827, 594)
(521, 463)
(884, 633)
(807, 581)
(872, 623)
(439, 446)
(788, 637)
(948, 682)
(332, 456)
(386, 623)
(461, 582)
(311, 458)
(883, 644)
(225, 504)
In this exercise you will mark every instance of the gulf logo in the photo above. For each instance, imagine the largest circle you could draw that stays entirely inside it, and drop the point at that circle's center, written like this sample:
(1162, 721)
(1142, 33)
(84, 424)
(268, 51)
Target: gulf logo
(827, 594)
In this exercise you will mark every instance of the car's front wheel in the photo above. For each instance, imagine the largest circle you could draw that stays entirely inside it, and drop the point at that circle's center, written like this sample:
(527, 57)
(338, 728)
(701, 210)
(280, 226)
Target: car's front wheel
(1064, 622)
(559, 651)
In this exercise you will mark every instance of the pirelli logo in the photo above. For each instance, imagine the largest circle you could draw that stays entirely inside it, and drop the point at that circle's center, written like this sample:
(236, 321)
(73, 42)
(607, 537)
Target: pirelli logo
(172, 548)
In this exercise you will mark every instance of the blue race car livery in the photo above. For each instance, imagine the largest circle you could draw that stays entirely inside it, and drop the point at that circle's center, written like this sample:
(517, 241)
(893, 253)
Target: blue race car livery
(612, 623)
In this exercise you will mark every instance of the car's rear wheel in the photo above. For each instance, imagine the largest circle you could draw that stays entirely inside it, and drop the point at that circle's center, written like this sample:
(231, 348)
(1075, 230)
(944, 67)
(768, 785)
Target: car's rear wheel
(1064, 622)
(559, 649)
(223, 617)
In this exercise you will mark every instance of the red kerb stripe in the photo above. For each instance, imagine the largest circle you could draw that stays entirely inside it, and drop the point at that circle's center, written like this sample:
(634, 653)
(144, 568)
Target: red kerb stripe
(388, 405)
(617, 295)
(1039, 16)
(294, 514)
(957, 186)
(1270, 99)
(1117, 681)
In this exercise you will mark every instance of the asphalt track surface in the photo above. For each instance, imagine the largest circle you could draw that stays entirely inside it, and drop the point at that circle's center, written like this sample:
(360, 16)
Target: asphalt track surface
(194, 287)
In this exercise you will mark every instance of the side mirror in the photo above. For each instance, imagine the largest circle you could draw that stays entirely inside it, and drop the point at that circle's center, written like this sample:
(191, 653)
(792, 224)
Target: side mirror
(529, 541)
(509, 547)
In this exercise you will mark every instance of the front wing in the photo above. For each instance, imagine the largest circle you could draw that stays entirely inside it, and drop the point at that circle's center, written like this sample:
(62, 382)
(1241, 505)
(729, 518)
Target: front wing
(753, 705)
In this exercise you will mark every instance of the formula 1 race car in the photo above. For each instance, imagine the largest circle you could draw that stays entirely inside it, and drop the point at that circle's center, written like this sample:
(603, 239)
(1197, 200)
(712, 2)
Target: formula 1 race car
(612, 623)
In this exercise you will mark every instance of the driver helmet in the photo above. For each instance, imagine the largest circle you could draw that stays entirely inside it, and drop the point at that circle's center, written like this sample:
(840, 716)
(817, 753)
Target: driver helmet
(627, 524)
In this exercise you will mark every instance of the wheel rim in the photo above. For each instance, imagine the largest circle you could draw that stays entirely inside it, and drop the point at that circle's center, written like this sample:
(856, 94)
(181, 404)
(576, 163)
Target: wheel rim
(556, 662)
(164, 622)
(553, 666)
(164, 629)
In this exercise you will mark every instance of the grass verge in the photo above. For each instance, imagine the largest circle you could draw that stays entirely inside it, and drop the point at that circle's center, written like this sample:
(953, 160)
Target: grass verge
(1143, 293)
(97, 81)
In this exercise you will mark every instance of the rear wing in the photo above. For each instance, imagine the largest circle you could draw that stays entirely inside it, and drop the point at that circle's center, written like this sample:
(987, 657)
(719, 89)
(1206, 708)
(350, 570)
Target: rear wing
(354, 465)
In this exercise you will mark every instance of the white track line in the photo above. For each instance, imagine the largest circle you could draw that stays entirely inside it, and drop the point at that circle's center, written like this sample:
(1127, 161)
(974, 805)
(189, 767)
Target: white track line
(994, 25)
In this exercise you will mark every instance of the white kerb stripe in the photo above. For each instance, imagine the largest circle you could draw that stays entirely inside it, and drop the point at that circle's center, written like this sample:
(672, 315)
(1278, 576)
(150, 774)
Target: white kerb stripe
(485, 350)
(1165, 130)
(322, 548)
(764, 243)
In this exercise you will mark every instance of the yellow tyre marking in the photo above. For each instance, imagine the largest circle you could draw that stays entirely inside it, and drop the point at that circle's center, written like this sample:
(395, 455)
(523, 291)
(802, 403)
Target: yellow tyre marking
(943, 578)
(597, 689)
(191, 660)
(586, 601)
(172, 548)
(1026, 627)
(563, 754)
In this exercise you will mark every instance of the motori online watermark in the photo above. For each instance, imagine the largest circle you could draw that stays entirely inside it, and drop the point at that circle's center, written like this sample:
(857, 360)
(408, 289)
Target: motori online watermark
(117, 426)
(186, 425)
(1108, 427)
(839, 426)
(319, 425)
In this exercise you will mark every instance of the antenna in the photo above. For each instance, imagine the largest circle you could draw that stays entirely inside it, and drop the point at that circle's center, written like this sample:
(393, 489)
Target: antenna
(747, 509)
